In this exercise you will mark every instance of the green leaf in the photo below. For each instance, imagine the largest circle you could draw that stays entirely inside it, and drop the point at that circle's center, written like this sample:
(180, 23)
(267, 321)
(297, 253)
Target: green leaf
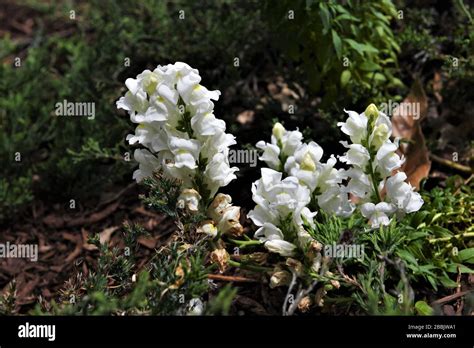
(380, 77)
(447, 282)
(356, 46)
(407, 256)
(345, 77)
(369, 66)
(360, 47)
(395, 82)
(467, 255)
(423, 308)
(417, 235)
(346, 16)
(325, 17)
(453, 268)
(336, 40)
(441, 232)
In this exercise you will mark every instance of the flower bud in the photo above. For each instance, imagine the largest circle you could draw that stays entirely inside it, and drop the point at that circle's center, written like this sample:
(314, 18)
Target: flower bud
(380, 135)
(372, 112)
(278, 130)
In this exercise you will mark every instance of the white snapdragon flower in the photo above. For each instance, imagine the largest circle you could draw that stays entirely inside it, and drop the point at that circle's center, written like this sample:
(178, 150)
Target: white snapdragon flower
(378, 214)
(146, 134)
(303, 164)
(136, 104)
(357, 155)
(335, 200)
(283, 144)
(290, 141)
(280, 197)
(200, 99)
(355, 126)
(167, 164)
(218, 172)
(206, 124)
(387, 159)
(333, 196)
(185, 151)
(219, 143)
(380, 135)
(359, 184)
(276, 199)
(401, 194)
(330, 176)
(271, 154)
(147, 164)
(274, 241)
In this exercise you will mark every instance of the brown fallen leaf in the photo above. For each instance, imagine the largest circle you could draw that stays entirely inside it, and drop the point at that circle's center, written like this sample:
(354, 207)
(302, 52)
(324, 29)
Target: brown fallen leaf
(24, 294)
(437, 86)
(406, 125)
(43, 246)
(246, 116)
(141, 210)
(148, 242)
(107, 233)
(75, 253)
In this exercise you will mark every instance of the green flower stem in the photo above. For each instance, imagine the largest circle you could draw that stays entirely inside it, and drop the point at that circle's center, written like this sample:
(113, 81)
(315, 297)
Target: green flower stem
(457, 236)
(371, 167)
(249, 266)
(372, 178)
(245, 243)
(282, 157)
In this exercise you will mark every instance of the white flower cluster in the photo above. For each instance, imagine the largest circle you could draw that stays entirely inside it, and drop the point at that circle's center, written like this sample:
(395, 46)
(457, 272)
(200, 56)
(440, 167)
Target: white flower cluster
(288, 154)
(307, 178)
(178, 130)
(276, 200)
(298, 177)
(372, 157)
